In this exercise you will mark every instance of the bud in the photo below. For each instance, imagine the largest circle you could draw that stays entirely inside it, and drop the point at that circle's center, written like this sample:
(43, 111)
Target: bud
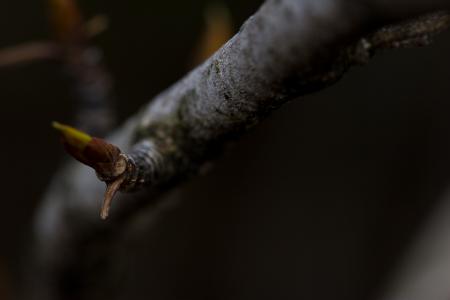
(106, 159)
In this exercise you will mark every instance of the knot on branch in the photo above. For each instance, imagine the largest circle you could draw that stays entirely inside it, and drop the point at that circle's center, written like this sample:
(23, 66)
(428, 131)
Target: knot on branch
(119, 170)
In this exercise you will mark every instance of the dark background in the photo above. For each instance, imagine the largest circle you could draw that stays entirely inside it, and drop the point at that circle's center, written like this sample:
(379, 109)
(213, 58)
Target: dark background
(317, 202)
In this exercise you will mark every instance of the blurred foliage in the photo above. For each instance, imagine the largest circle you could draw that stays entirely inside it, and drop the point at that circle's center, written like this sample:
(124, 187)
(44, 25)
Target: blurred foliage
(217, 31)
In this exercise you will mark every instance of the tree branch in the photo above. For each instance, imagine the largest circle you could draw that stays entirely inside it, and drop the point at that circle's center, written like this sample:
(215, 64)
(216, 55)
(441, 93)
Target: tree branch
(83, 62)
(287, 49)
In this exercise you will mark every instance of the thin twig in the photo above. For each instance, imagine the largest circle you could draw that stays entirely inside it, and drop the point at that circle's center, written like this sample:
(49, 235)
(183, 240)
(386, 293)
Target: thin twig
(29, 52)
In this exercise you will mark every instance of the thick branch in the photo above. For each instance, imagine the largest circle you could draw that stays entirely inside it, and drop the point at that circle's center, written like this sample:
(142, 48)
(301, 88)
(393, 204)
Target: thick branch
(233, 92)
(287, 49)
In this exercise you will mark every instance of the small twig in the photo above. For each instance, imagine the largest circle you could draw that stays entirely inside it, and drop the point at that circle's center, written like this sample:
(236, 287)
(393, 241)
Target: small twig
(111, 190)
(46, 50)
(414, 33)
(118, 170)
(29, 52)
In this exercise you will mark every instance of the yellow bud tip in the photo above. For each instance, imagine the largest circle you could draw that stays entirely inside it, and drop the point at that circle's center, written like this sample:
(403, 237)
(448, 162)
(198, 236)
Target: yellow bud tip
(72, 136)
(58, 126)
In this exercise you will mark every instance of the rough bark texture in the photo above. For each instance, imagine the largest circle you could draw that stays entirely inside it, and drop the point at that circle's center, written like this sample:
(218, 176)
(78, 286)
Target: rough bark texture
(287, 49)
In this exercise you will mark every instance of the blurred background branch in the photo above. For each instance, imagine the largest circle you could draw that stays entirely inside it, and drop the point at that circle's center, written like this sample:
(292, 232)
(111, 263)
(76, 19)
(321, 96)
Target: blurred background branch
(81, 61)
(27, 53)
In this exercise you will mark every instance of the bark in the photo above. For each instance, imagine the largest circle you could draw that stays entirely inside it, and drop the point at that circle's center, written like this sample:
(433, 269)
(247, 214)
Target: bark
(287, 49)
